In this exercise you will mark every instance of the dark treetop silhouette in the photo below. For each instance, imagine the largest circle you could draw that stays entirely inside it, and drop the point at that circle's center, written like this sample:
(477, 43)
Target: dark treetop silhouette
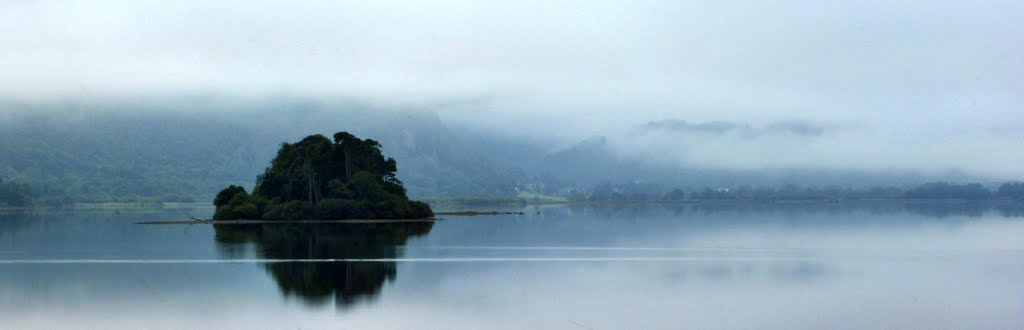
(319, 179)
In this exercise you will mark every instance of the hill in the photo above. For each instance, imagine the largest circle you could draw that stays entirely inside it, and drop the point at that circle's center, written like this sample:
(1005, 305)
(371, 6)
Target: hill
(119, 155)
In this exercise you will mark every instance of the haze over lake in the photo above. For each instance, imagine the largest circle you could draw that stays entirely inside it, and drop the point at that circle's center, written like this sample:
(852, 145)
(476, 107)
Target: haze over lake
(640, 164)
(868, 265)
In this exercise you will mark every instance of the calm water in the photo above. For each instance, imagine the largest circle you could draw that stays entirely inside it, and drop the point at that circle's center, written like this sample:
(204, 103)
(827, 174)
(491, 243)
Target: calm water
(595, 267)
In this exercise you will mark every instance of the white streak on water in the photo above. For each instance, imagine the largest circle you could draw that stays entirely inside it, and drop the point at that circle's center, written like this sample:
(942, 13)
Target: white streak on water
(804, 252)
(703, 249)
(897, 258)
(599, 248)
(237, 261)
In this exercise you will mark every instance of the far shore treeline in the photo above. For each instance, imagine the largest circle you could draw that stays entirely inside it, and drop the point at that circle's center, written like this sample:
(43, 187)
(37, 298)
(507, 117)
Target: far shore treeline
(1009, 191)
(317, 178)
(351, 205)
(15, 194)
(144, 153)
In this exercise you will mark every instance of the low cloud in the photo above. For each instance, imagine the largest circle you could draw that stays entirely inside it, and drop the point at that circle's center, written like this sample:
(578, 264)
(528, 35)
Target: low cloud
(801, 145)
(905, 84)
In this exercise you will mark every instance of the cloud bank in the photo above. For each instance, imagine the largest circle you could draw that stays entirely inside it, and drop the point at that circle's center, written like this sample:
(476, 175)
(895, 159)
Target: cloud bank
(907, 84)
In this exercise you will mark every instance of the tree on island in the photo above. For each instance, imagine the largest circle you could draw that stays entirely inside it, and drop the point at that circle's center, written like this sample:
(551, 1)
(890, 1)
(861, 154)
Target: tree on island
(316, 178)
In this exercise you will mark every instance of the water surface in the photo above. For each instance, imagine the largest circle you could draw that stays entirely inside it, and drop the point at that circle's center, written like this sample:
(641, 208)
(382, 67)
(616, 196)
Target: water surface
(588, 267)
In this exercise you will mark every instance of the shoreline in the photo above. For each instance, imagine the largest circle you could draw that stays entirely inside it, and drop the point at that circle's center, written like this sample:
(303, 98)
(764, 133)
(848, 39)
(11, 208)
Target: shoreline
(263, 222)
(497, 202)
(455, 202)
(477, 213)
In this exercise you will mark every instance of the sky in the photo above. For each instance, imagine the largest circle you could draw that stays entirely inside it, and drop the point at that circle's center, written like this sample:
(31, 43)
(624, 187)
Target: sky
(934, 85)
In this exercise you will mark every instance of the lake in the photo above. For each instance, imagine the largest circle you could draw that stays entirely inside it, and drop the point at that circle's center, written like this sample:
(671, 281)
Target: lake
(735, 266)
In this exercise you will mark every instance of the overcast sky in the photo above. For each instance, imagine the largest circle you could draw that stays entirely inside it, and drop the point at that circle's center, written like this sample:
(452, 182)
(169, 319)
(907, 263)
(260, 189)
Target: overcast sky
(899, 84)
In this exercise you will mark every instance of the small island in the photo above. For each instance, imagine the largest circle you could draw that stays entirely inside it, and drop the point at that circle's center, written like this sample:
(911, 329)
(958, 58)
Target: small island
(321, 179)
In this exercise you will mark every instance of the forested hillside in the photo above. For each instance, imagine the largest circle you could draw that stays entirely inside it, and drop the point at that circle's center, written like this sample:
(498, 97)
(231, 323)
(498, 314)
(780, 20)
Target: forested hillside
(165, 155)
(125, 157)
(187, 150)
(15, 194)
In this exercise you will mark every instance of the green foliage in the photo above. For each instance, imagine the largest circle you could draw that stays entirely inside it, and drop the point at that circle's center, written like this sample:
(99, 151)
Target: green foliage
(233, 203)
(317, 178)
(15, 194)
(333, 209)
(105, 157)
(420, 209)
(290, 210)
(152, 152)
(227, 195)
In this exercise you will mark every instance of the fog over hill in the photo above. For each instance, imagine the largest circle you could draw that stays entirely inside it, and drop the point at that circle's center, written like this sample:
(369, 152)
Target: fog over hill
(184, 151)
(481, 98)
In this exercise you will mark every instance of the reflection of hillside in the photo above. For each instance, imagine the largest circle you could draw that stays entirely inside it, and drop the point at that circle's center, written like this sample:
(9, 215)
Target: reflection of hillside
(13, 222)
(317, 282)
(1011, 210)
(945, 210)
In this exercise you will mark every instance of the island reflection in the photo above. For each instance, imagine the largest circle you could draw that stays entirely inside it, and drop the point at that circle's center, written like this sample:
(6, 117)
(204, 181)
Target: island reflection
(316, 283)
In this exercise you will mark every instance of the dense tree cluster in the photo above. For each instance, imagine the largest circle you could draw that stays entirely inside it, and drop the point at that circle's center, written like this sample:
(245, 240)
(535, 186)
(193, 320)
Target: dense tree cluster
(320, 178)
(675, 195)
(1011, 190)
(944, 190)
(15, 194)
(639, 192)
(793, 192)
(633, 191)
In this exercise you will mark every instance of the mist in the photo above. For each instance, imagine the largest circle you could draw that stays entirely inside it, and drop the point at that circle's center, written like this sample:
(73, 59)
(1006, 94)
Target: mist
(905, 86)
(529, 164)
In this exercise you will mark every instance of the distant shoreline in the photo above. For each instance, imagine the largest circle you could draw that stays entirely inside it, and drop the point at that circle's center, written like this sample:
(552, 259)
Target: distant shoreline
(264, 222)
(489, 202)
(500, 201)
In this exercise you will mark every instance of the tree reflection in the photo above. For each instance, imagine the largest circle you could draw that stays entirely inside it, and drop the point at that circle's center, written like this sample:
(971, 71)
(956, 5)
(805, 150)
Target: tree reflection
(12, 222)
(317, 283)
